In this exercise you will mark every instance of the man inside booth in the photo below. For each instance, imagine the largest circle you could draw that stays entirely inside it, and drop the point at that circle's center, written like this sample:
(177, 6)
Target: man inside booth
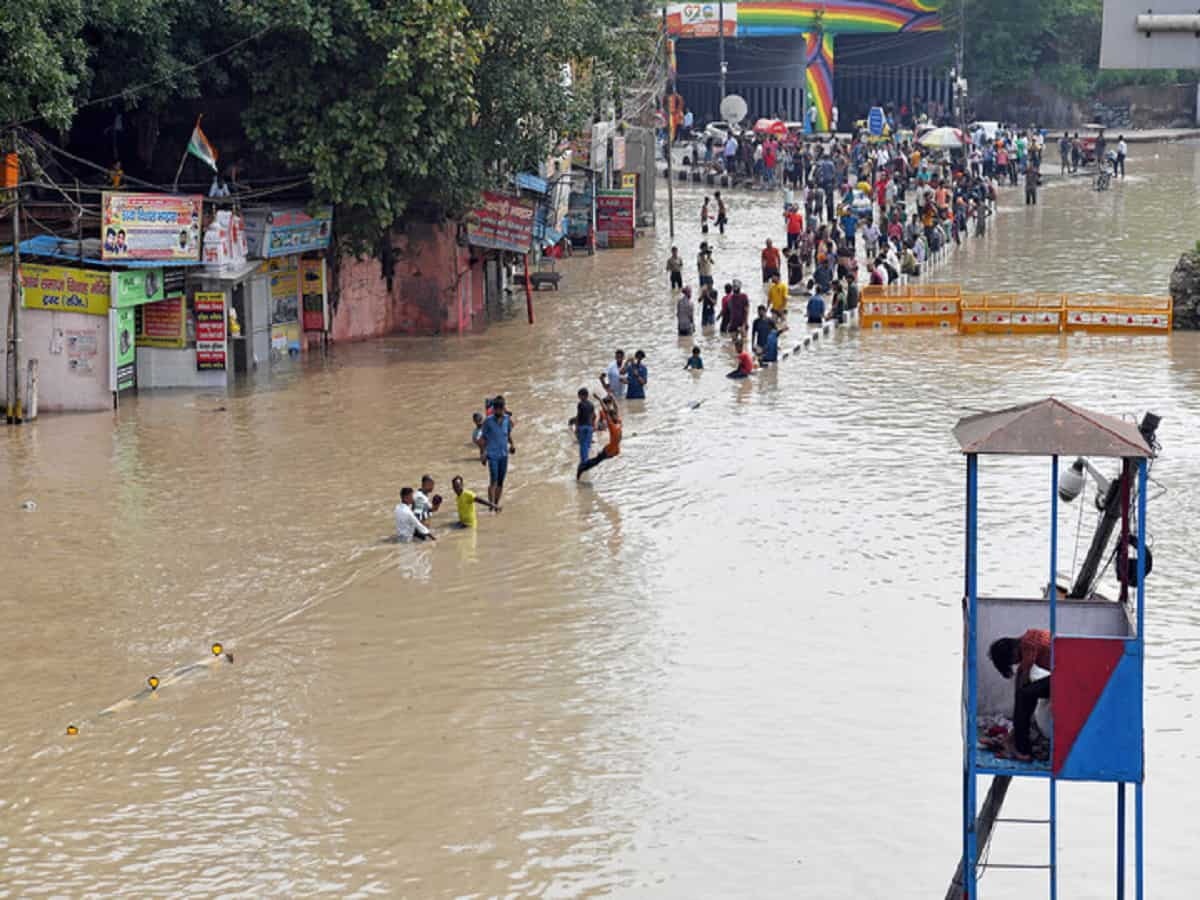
(1030, 649)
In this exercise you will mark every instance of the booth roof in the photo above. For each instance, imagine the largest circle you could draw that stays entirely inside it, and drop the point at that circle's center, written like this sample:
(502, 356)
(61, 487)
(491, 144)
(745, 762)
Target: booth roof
(51, 247)
(1050, 428)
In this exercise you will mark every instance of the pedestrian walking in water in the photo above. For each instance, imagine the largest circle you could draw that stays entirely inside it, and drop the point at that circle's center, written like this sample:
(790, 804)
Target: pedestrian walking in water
(694, 362)
(1031, 184)
(585, 424)
(498, 445)
(465, 501)
(675, 268)
(685, 313)
(636, 377)
(1122, 150)
(610, 420)
(722, 217)
(705, 215)
(614, 379)
(739, 309)
(708, 307)
(770, 261)
(704, 265)
(408, 526)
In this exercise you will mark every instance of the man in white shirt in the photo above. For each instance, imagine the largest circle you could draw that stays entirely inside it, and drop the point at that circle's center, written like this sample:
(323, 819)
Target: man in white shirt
(425, 502)
(1122, 149)
(408, 528)
(614, 379)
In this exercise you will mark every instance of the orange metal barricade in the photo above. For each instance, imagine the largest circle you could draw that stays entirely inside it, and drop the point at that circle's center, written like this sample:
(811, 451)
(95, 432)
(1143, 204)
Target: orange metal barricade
(911, 306)
(1118, 313)
(1012, 313)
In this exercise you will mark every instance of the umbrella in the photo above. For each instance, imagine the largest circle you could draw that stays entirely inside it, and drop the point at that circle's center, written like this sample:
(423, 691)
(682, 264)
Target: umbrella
(943, 139)
(770, 126)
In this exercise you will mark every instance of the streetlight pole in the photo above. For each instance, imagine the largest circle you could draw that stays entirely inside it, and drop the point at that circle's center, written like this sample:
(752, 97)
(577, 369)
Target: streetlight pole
(669, 111)
(721, 47)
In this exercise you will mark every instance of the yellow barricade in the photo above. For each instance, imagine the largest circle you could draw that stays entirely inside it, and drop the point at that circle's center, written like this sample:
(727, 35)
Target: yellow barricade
(911, 306)
(1012, 313)
(1120, 313)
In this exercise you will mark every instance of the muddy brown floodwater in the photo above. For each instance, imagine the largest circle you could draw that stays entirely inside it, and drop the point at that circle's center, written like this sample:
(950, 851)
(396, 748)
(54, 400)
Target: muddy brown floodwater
(725, 665)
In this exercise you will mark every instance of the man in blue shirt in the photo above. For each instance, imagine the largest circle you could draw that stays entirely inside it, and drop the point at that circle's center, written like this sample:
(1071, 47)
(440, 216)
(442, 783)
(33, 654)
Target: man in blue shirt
(636, 374)
(816, 309)
(497, 445)
(849, 225)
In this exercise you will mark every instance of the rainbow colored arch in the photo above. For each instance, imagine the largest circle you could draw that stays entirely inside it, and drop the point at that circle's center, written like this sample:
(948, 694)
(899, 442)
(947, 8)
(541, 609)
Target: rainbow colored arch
(774, 19)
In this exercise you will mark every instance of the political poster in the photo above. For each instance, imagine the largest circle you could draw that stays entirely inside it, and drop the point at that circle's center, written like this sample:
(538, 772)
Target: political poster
(701, 20)
(150, 226)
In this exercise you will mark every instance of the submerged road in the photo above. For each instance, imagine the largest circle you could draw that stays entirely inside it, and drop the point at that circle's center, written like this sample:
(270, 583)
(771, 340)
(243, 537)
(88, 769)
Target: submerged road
(726, 664)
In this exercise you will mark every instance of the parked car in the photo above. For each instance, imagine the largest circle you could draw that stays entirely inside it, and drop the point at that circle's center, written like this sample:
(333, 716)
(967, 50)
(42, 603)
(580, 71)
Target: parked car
(720, 131)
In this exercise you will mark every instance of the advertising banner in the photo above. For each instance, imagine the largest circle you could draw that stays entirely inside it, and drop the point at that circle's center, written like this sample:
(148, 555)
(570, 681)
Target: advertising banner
(68, 290)
(137, 287)
(615, 217)
(150, 226)
(502, 222)
(162, 324)
(283, 232)
(701, 20)
(210, 330)
(312, 287)
(124, 352)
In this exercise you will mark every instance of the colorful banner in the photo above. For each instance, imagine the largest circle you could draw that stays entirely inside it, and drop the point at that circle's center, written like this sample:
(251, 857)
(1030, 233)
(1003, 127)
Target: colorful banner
(502, 222)
(162, 324)
(312, 294)
(780, 17)
(138, 286)
(150, 226)
(210, 330)
(819, 55)
(283, 232)
(65, 289)
(124, 350)
(615, 217)
(695, 20)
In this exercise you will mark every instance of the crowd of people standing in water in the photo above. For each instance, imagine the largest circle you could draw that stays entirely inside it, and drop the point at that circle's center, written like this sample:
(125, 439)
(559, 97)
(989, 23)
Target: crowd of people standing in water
(860, 212)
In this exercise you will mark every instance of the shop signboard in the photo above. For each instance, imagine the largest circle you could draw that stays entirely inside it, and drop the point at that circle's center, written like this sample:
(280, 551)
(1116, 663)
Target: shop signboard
(283, 232)
(210, 330)
(65, 289)
(124, 352)
(501, 222)
(162, 324)
(615, 217)
(701, 20)
(312, 288)
(137, 286)
(150, 226)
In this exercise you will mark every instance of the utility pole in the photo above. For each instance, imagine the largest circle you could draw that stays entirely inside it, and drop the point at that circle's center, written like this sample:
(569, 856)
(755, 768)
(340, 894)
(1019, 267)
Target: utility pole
(14, 412)
(960, 81)
(721, 48)
(669, 110)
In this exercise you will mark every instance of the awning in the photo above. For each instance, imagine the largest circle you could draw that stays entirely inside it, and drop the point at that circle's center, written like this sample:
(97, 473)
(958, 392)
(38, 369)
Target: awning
(1050, 428)
(51, 247)
(529, 182)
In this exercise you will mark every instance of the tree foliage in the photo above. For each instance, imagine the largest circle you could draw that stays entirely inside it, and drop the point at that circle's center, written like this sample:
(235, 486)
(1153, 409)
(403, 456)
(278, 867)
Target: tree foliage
(42, 60)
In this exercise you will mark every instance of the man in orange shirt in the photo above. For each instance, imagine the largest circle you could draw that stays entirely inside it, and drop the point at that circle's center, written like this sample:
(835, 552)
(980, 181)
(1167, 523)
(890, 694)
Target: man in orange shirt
(1030, 649)
(610, 418)
(795, 226)
(770, 261)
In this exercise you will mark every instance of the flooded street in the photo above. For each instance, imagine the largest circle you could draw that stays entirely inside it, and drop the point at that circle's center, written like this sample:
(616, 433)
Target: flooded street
(727, 664)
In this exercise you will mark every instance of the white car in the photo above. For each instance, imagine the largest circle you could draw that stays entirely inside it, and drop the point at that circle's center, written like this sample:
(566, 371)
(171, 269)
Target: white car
(720, 131)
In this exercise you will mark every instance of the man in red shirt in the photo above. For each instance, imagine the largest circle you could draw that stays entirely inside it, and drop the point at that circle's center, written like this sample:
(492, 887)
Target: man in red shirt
(795, 226)
(745, 361)
(1030, 649)
(770, 261)
(739, 309)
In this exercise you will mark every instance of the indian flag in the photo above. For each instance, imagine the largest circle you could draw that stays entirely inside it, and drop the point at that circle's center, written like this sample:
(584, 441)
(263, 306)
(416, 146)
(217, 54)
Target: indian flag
(200, 148)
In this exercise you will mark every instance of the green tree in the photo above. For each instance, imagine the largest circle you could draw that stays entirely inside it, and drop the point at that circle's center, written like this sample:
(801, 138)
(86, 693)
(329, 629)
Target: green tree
(42, 60)
(372, 97)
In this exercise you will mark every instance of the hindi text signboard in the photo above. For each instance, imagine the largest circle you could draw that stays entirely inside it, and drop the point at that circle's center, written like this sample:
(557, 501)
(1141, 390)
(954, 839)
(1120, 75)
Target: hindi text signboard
(150, 226)
(65, 289)
(210, 330)
(615, 217)
(502, 222)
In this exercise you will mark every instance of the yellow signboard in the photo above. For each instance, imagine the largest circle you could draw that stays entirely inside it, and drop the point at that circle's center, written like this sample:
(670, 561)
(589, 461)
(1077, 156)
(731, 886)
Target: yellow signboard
(64, 289)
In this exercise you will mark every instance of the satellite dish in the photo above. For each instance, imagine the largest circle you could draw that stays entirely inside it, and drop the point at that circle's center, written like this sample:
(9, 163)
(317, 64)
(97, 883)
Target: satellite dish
(733, 109)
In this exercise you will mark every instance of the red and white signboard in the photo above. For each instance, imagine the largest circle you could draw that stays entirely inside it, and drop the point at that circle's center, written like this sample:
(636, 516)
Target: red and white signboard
(210, 330)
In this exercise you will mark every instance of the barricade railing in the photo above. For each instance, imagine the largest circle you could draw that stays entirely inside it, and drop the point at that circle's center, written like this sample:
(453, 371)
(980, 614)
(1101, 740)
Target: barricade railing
(1125, 313)
(911, 306)
(1037, 313)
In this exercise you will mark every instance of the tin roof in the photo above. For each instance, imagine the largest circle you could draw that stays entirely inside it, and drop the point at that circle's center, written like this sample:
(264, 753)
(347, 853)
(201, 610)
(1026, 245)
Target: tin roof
(1050, 427)
(87, 252)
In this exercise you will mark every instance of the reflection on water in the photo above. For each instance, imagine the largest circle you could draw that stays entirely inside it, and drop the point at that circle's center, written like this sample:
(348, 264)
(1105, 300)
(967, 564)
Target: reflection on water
(715, 668)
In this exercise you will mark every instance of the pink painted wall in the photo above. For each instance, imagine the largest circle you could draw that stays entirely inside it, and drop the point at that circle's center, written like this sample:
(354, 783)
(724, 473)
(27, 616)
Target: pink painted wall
(435, 290)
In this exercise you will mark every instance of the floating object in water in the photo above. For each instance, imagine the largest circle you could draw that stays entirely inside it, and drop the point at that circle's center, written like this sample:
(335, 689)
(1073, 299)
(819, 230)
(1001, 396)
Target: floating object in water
(216, 649)
(72, 730)
(153, 682)
(29, 506)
